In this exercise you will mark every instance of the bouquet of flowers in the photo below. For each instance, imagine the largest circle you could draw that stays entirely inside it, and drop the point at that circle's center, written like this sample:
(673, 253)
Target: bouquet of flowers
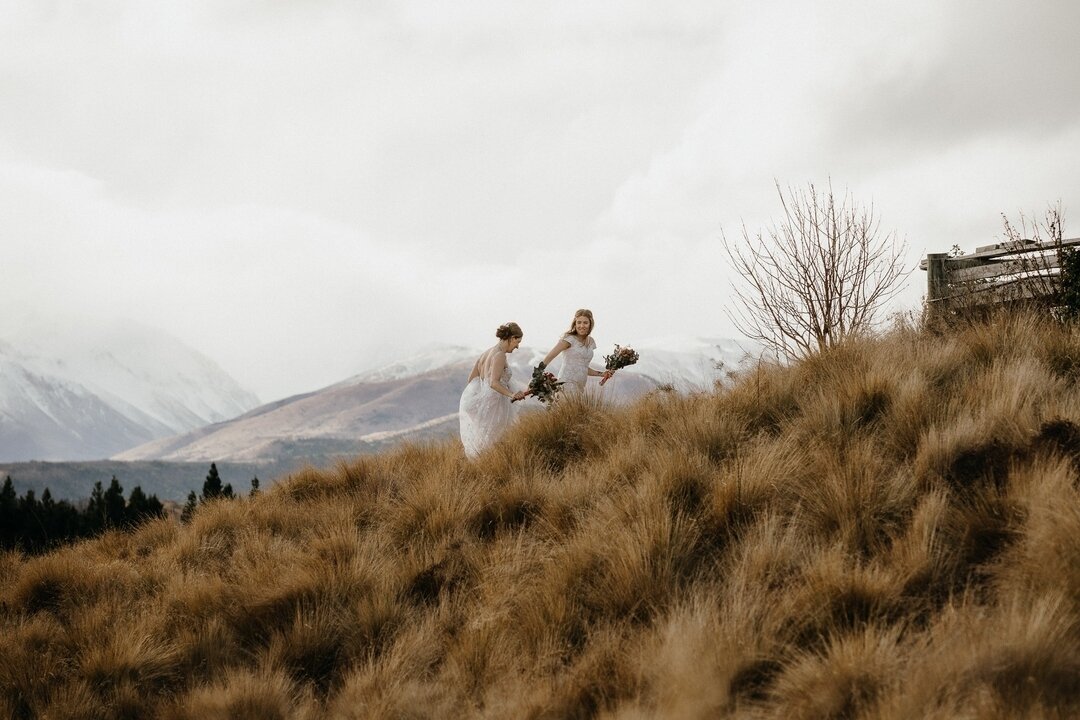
(544, 386)
(620, 358)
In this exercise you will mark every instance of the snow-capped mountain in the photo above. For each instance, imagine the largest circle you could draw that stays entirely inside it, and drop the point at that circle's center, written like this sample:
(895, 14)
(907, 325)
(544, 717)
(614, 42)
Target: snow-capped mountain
(343, 419)
(413, 399)
(428, 359)
(73, 391)
(690, 364)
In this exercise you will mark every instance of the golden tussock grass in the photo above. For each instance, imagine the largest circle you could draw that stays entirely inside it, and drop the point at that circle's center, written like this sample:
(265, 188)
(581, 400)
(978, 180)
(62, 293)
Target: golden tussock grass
(888, 530)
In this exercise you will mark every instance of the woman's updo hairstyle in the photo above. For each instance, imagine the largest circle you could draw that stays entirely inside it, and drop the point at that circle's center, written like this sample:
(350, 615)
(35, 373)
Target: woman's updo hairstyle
(509, 330)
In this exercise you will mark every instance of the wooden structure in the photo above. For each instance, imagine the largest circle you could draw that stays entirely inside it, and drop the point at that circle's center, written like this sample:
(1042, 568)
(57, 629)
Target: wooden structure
(1000, 273)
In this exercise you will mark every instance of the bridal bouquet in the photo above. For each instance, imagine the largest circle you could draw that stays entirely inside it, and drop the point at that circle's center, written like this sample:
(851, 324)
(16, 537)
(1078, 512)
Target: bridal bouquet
(622, 357)
(544, 386)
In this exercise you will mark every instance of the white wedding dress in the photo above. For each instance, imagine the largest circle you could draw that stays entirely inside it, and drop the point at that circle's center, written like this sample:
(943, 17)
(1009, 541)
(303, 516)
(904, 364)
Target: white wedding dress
(484, 414)
(575, 363)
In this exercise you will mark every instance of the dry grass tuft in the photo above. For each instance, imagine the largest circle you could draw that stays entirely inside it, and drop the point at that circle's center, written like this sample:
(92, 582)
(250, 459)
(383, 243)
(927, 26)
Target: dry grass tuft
(257, 694)
(844, 679)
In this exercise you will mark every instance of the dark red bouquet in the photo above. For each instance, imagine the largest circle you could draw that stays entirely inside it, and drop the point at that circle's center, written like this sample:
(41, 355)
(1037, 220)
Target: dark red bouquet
(620, 358)
(544, 386)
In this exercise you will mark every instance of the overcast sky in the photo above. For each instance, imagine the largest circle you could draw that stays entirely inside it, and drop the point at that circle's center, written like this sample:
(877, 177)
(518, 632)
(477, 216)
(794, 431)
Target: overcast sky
(303, 189)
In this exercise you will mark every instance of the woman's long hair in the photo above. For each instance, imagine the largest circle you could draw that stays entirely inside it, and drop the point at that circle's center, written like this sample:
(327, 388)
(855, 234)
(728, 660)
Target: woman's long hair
(579, 313)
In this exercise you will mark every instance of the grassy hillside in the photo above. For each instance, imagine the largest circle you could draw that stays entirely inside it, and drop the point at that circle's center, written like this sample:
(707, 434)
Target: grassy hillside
(891, 530)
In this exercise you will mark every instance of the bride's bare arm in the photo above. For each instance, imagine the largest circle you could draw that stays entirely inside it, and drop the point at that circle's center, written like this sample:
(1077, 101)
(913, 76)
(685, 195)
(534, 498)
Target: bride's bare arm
(559, 347)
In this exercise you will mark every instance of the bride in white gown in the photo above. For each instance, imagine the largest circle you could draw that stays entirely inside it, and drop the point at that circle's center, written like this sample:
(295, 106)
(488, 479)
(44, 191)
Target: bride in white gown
(576, 348)
(484, 411)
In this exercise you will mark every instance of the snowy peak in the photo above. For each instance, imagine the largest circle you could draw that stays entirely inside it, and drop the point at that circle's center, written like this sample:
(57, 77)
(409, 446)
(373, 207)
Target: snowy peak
(43, 418)
(689, 364)
(425, 361)
(137, 368)
(78, 391)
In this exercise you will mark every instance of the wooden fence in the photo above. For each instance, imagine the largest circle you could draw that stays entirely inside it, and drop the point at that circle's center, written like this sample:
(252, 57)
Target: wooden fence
(1001, 273)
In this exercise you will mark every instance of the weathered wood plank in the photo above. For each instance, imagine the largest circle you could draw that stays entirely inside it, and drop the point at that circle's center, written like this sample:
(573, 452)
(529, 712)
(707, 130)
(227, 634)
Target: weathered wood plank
(954, 262)
(937, 281)
(990, 251)
(1001, 249)
(960, 263)
(995, 268)
(1013, 291)
(1008, 291)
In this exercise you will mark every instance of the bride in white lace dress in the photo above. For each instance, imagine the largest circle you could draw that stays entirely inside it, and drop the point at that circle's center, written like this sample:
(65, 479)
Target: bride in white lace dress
(484, 411)
(576, 348)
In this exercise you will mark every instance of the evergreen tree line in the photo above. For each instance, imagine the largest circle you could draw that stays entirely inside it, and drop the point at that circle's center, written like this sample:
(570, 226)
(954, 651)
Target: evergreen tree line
(35, 525)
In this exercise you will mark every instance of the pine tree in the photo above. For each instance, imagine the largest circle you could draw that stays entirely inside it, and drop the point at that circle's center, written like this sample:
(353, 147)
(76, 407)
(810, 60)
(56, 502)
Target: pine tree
(141, 508)
(94, 517)
(49, 526)
(135, 506)
(66, 524)
(254, 486)
(9, 513)
(189, 508)
(114, 504)
(154, 508)
(31, 531)
(212, 489)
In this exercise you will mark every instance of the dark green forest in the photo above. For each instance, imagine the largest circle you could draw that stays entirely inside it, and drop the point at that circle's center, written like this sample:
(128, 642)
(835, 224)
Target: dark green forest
(72, 480)
(33, 525)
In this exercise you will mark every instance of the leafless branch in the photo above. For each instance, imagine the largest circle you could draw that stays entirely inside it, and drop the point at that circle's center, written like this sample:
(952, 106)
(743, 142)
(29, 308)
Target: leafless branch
(818, 277)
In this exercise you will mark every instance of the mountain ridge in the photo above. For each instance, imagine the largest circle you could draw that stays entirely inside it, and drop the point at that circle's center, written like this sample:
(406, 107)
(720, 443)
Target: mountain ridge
(411, 399)
(86, 392)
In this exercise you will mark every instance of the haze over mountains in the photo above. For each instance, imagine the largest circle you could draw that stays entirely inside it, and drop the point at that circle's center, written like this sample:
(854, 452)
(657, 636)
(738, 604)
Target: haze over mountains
(130, 393)
(72, 391)
(414, 399)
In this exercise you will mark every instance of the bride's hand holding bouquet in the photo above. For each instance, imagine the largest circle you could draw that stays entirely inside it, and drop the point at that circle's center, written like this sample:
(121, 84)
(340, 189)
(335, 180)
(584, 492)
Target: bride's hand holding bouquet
(623, 356)
(544, 386)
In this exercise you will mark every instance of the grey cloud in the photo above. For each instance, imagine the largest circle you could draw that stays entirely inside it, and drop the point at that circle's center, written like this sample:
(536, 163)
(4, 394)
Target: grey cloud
(997, 68)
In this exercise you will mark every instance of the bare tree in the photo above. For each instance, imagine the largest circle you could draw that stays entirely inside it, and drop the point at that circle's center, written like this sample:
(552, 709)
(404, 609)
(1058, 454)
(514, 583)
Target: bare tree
(818, 277)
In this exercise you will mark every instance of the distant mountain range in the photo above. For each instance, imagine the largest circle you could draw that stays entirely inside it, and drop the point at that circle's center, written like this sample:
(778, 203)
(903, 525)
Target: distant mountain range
(143, 407)
(77, 392)
(415, 399)
(136, 403)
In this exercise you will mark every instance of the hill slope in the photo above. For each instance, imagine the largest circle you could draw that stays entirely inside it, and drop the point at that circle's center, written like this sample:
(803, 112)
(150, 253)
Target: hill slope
(891, 530)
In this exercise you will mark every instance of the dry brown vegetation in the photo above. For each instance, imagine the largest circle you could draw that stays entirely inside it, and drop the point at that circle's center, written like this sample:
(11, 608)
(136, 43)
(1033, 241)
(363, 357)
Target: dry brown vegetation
(887, 530)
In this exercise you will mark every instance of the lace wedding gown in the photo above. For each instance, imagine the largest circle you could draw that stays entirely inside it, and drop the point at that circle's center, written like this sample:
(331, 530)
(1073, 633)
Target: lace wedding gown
(575, 363)
(484, 413)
